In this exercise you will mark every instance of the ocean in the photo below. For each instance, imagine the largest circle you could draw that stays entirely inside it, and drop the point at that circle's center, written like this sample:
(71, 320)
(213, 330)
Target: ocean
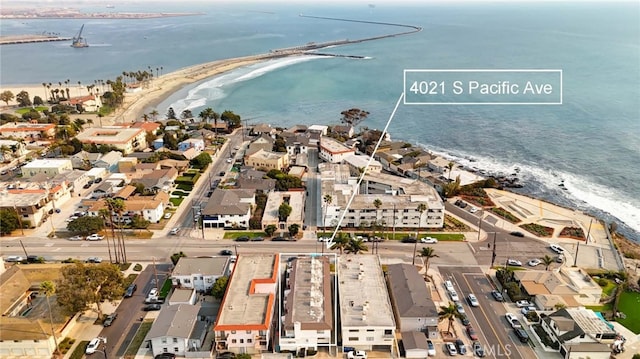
(591, 142)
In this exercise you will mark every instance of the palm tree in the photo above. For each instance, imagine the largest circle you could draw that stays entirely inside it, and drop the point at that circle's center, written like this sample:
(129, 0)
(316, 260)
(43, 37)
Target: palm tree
(450, 313)
(46, 94)
(106, 216)
(427, 253)
(49, 289)
(79, 88)
(421, 208)
(340, 242)
(154, 114)
(327, 199)
(376, 203)
(355, 246)
(450, 167)
(547, 261)
(117, 205)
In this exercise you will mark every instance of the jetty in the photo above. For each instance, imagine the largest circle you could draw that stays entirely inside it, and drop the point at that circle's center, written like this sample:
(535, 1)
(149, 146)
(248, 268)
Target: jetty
(27, 39)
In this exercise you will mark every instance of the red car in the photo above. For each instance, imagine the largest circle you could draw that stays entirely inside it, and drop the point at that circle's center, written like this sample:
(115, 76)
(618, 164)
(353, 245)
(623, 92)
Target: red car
(472, 333)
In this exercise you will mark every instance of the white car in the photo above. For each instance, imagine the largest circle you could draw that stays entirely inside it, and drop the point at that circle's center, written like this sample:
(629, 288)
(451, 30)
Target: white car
(449, 286)
(513, 320)
(167, 215)
(428, 240)
(473, 210)
(13, 259)
(523, 304)
(324, 239)
(473, 301)
(153, 293)
(431, 349)
(174, 231)
(76, 238)
(451, 349)
(556, 248)
(229, 160)
(459, 307)
(94, 260)
(534, 262)
(357, 354)
(514, 262)
(95, 237)
(93, 346)
(454, 295)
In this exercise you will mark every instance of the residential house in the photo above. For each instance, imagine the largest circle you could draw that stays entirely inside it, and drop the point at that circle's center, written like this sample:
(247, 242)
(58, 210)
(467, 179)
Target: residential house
(268, 160)
(346, 131)
(262, 128)
(199, 273)
(33, 201)
(439, 164)
(308, 317)
(178, 330)
(29, 131)
(105, 189)
(109, 161)
(333, 151)
(155, 181)
(74, 179)
(264, 142)
(150, 208)
(415, 344)
(321, 129)
(358, 163)
(245, 319)
(84, 160)
(297, 144)
(262, 185)
(180, 166)
(48, 167)
(187, 296)
(96, 172)
(271, 216)
(228, 208)
(10, 149)
(147, 126)
(580, 333)
(88, 103)
(127, 164)
(367, 320)
(126, 140)
(196, 143)
(413, 306)
(572, 287)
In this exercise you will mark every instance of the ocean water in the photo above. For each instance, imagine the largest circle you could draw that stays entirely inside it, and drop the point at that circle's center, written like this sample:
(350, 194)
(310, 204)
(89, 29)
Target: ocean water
(591, 141)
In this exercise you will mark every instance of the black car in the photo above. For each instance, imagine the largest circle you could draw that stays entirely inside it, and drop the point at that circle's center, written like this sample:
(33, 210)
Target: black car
(522, 335)
(109, 319)
(151, 307)
(226, 355)
(226, 252)
(257, 239)
(130, 290)
(409, 240)
(165, 356)
(465, 321)
(34, 259)
(279, 239)
(462, 349)
(98, 180)
(517, 234)
(478, 350)
(242, 239)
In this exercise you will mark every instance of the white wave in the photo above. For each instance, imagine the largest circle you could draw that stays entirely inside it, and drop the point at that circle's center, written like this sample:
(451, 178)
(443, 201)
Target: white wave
(213, 89)
(579, 189)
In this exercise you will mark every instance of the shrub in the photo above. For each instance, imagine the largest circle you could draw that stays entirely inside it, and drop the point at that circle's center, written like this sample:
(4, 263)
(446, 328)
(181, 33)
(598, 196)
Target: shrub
(505, 214)
(539, 230)
(602, 282)
(137, 267)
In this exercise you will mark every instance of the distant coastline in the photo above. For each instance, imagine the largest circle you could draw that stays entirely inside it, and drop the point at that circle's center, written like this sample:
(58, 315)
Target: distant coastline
(37, 14)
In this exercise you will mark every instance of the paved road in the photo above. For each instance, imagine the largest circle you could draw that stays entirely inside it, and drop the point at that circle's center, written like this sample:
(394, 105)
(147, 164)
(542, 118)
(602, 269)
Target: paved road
(488, 319)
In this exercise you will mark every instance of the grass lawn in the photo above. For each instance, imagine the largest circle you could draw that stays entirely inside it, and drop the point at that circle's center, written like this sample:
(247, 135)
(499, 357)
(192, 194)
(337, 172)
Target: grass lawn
(398, 236)
(609, 288)
(604, 309)
(234, 235)
(22, 111)
(630, 305)
(166, 287)
(176, 201)
(78, 352)
(135, 344)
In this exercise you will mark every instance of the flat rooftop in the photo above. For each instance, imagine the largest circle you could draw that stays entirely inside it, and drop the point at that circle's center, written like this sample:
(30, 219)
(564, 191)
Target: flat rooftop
(275, 199)
(47, 163)
(206, 266)
(309, 301)
(334, 146)
(249, 300)
(363, 291)
(108, 135)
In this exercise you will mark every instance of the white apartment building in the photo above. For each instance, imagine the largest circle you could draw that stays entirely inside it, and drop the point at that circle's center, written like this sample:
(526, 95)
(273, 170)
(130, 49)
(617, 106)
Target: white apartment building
(228, 208)
(47, 167)
(365, 309)
(308, 317)
(125, 139)
(199, 273)
(333, 151)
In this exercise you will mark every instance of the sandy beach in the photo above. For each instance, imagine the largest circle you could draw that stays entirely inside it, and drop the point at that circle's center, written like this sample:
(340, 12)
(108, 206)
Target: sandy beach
(159, 88)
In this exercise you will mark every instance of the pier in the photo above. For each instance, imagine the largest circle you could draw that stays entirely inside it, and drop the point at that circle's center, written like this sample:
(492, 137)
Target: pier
(27, 39)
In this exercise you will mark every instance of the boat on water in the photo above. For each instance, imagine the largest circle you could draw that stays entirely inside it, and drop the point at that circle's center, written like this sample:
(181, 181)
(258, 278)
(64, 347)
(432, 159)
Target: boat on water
(79, 41)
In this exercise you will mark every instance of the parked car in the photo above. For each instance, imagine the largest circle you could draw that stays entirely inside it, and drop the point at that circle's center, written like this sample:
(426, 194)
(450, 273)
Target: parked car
(226, 252)
(534, 262)
(166, 356)
(454, 295)
(560, 258)
(473, 301)
(151, 307)
(13, 259)
(472, 333)
(94, 260)
(497, 295)
(514, 262)
(462, 349)
(459, 307)
(451, 349)
(109, 319)
(95, 237)
(448, 285)
(93, 346)
(523, 304)
(242, 239)
(464, 320)
(409, 239)
(226, 355)
(478, 350)
(130, 290)
(429, 240)
(174, 231)
(97, 180)
(517, 234)
(522, 335)
(76, 238)
(324, 239)
(513, 320)
(257, 239)
(556, 248)
(526, 310)
(282, 239)
(431, 349)
(357, 354)
(168, 215)
(473, 210)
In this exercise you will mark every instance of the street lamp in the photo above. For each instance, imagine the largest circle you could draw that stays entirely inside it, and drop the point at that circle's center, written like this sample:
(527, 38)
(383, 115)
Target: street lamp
(480, 223)
(235, 247)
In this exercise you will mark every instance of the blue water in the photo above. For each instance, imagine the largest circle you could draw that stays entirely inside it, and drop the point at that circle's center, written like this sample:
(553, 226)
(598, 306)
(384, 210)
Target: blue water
(592, 141)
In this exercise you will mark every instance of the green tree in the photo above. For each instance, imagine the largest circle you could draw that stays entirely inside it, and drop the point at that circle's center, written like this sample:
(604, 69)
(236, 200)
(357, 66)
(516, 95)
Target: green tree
(176, 257)
(427, 253)
(270, 230)
(86, 225)
(186, 114)
(421, 208)
(233, 121)
(294, 229)
(169, 141)
(327, 199)
(340, 242)
(117, 206)
(279, 145)
(248, 356)
(219, 287)
(355, 246)
(6, 96)
(82, 285)
(201, 161)
(450, 313)
(49, 289)
(635, 356)
(9, 221)
(451, 189)
(23, 99)
(450, 167)
(284, 211)
(139, 222)
(547, 261)
(171, 114)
